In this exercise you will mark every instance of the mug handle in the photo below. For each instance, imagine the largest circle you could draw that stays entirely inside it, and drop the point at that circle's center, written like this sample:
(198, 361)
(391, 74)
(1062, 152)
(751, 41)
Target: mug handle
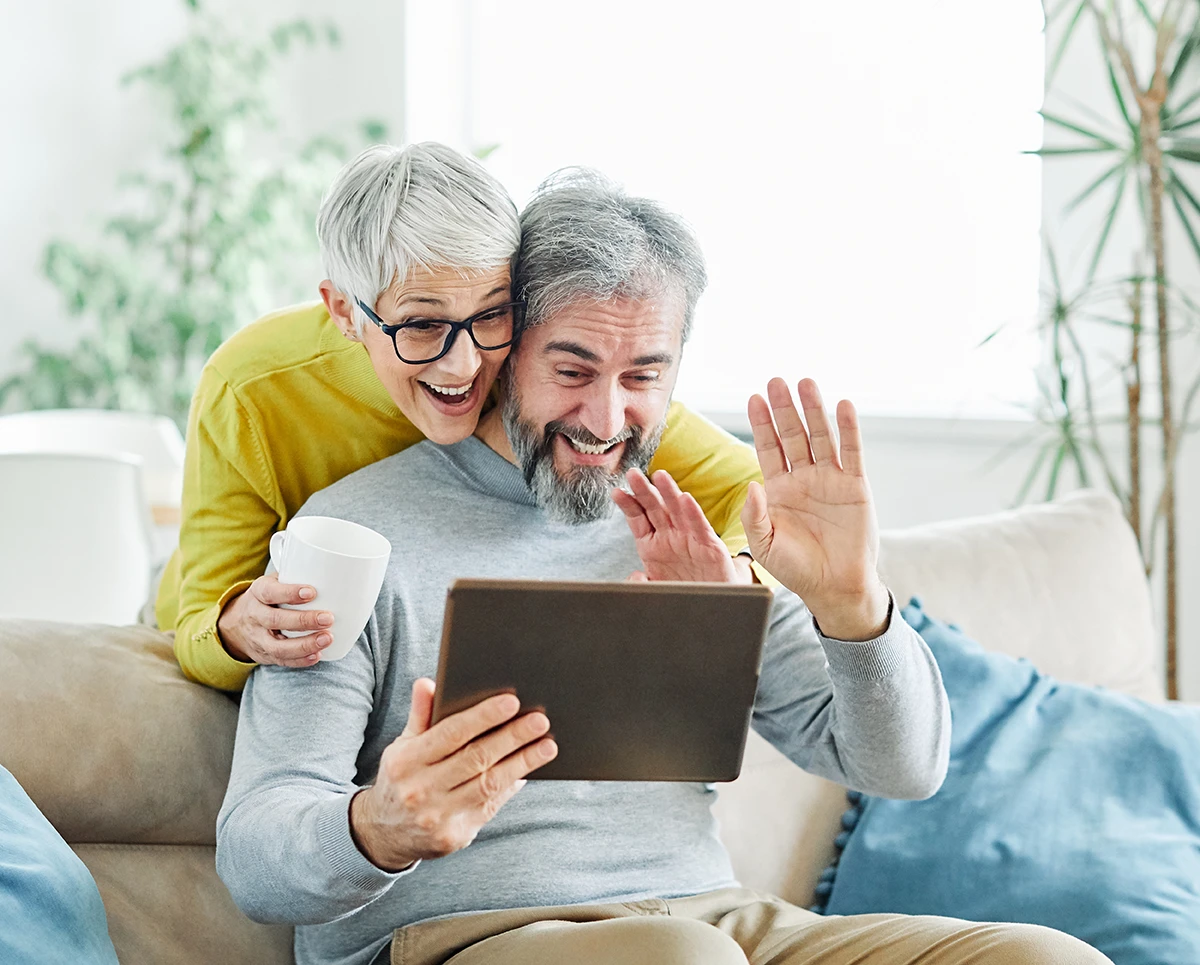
(278, 550)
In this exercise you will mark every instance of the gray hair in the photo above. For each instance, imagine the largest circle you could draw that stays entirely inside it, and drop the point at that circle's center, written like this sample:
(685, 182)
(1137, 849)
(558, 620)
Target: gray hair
(424, 206)
(583, 237)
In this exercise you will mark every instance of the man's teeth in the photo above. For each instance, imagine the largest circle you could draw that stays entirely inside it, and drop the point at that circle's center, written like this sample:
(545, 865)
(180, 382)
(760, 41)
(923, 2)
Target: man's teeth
(589, 450)
(444, 390)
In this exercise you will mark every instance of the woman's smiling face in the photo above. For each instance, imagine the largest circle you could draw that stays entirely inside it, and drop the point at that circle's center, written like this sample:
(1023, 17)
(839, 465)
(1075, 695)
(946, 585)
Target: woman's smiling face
(444, 398)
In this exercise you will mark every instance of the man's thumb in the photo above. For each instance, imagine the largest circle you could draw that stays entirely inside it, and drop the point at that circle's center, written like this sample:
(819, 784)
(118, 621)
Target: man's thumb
(421, 710)
(755, 520)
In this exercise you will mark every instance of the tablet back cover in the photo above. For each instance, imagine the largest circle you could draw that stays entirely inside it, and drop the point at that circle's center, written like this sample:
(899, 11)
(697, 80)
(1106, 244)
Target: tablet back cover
(641, 681)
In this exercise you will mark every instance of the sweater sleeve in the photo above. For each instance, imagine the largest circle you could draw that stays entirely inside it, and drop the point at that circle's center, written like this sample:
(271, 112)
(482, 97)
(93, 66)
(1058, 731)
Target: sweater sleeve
(230, 509)
(871, 716)
(284, 848)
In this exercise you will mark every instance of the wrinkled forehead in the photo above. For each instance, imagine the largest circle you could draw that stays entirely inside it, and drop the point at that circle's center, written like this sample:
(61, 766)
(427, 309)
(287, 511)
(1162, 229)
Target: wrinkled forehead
(618, 330)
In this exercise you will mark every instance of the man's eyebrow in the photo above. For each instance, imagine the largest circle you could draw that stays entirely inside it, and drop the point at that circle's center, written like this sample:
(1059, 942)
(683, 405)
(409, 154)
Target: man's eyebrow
(573, 348)
(658, 358)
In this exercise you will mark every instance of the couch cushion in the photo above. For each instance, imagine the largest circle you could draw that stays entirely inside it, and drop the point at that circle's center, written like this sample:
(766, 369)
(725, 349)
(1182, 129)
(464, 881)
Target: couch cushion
(1060, 583)
(1067, 806)
(107, 737)
(166, 906)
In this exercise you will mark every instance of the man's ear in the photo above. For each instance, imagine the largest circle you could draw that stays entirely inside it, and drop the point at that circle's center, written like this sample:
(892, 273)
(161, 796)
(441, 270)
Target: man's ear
(341, 309)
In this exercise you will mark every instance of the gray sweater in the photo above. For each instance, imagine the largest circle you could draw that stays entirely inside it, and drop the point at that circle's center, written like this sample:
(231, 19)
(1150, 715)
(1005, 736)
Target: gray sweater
(872, 716)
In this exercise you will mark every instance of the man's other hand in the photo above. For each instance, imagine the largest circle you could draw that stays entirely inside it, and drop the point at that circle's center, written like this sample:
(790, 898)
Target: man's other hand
(674, 539)
(438, 785)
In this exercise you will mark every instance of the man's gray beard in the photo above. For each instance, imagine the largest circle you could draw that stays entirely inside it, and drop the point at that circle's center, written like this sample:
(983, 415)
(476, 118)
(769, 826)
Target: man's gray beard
(586, 494)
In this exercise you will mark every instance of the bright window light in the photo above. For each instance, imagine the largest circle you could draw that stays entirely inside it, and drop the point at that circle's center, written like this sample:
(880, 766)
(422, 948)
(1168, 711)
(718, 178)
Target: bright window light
(855, 173)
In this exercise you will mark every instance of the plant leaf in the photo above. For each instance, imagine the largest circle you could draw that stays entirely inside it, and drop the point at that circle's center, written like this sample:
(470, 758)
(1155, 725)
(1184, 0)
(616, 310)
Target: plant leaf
(1068, 151)
(1184, 148)
(1078, 129)
(1115, 86)
(1181, 61)
(1108, 223)
(1068, 32)
(1173, 190)
(1052, 482)
(1031, 476)
(1091, 188)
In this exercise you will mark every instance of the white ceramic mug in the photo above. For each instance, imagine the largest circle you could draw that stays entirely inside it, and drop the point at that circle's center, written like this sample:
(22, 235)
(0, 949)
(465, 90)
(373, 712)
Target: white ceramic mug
(344, 562)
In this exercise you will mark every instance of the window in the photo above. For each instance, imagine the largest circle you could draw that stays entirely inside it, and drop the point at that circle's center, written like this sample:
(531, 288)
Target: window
(854, 172)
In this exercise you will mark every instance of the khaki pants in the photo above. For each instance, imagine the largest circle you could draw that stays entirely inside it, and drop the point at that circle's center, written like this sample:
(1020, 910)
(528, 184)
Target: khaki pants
(733, 926)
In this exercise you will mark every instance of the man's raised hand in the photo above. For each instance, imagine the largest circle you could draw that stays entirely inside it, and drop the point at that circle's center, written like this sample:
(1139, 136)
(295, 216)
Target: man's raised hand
(812, 521)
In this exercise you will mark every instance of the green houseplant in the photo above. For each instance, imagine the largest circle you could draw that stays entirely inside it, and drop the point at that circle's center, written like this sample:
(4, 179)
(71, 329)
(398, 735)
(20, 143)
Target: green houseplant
(204, 237)
(1148, 156)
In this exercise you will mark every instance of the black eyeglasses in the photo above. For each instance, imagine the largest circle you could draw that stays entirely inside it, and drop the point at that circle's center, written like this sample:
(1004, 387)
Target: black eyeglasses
(422, 340)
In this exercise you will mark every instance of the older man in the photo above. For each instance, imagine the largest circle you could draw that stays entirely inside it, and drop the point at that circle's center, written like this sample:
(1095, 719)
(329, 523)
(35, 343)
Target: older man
(429, 847)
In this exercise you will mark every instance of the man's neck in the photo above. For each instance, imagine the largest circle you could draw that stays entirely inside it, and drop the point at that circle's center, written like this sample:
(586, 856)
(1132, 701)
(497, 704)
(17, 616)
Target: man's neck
(490, 431)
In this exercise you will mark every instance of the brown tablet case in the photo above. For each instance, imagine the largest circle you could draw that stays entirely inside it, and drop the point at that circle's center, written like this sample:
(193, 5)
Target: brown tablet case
(641, 681)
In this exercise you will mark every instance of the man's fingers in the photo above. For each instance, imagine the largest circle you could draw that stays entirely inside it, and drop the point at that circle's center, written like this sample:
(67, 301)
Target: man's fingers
(447, 736)
(637, 576)
(650, 499)
(792, 433)
(490, 807)
(766, 441)
(420, 710)
(268, 590)
(496, 780)
(852, 448)
(485, 753)
(820, 433)
(692, 516)
(756, 521)
(639, 525)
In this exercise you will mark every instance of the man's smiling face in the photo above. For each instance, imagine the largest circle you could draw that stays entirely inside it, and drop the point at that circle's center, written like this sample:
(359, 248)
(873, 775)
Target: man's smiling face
(586, 397)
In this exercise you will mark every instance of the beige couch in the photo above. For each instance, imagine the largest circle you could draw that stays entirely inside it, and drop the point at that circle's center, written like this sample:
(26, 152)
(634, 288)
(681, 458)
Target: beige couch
(129, 760)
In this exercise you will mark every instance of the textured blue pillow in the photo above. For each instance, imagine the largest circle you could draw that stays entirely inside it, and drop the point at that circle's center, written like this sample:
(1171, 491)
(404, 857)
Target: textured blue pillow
(1065, 805)
(50, 910)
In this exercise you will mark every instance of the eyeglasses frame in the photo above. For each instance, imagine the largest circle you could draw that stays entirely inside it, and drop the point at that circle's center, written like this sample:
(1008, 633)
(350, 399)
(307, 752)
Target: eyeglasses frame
(452, 336)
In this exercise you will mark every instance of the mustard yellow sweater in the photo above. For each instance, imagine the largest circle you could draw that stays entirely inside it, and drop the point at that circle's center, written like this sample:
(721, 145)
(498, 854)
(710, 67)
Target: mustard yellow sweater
(286, 407)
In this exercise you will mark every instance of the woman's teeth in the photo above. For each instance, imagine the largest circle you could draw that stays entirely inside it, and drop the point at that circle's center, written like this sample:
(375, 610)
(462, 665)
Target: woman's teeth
(445, 390)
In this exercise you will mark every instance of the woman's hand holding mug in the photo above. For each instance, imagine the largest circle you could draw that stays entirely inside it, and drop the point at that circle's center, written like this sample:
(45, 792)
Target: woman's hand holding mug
(278, 620)
(251, 625)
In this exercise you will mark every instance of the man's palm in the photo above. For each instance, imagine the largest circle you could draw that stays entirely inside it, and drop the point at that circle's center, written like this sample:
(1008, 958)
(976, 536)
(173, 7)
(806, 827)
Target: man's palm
(812, 522)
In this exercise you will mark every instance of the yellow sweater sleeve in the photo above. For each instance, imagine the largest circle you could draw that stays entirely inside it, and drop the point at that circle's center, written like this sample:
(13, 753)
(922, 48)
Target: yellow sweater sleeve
(231, 506)
(713, 466)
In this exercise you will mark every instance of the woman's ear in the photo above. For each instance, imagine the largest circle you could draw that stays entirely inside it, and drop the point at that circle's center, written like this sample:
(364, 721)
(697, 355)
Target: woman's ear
(341, 310)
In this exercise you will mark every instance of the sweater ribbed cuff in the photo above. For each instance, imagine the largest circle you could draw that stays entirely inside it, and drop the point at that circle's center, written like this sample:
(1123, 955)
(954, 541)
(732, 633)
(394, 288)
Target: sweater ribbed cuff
(345, 860)
(870, 659)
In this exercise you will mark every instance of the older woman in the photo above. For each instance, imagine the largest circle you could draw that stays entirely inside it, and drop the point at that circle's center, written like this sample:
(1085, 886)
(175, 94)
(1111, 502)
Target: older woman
(416, 319)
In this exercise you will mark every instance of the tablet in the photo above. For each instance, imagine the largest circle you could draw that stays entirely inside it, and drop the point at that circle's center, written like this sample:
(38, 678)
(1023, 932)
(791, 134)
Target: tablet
(641, 681)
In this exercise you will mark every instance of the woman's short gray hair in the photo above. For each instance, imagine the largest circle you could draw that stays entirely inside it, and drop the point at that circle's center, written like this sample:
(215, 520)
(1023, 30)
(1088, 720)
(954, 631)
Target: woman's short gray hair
(393, 209)
(583, 237)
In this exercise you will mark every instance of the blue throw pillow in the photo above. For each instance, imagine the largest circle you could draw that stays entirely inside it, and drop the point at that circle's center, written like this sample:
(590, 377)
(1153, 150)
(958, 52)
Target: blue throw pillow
(50, 910)
(1065, 805)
